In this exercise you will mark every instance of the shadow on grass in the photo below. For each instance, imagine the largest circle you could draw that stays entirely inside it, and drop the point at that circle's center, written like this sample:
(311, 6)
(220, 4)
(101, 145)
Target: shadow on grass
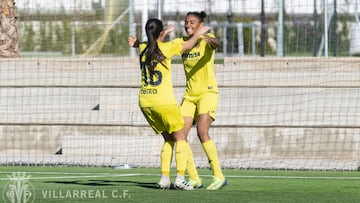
(149, 185)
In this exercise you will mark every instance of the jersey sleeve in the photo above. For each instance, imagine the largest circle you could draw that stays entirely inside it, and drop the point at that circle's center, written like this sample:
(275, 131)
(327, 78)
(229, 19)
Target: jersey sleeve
(142, 46)
(210, 35)
(172, 48)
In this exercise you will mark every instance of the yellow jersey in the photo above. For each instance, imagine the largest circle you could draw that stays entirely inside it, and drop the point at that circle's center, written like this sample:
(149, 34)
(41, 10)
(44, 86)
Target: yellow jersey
(157, 88)
(199, 68)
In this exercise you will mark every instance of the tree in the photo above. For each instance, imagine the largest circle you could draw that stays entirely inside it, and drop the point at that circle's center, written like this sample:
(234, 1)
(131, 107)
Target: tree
(9, 43)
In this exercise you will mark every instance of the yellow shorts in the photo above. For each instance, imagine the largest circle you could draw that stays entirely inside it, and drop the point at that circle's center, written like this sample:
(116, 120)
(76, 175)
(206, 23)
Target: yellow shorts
(166, 118)
(206, 103)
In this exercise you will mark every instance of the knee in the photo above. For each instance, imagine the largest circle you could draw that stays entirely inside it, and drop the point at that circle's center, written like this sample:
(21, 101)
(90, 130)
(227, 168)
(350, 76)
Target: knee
(203, 135)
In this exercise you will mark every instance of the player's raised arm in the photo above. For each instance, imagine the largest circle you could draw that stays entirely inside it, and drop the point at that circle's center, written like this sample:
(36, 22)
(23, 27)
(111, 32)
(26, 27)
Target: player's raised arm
(165, 32)
(192, 41)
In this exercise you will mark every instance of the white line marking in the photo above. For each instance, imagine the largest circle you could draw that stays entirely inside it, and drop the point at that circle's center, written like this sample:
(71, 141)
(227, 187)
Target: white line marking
(81, 176)
(66, 175)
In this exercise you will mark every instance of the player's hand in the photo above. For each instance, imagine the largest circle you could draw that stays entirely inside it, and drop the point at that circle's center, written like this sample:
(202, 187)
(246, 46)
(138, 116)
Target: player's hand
(166, 31)
(132, 41)
(206, 38)
(214, 42)
(169, 29)
(203, 29)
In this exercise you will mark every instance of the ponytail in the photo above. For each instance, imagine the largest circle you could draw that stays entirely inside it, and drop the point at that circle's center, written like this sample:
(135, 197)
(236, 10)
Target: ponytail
(153, 54)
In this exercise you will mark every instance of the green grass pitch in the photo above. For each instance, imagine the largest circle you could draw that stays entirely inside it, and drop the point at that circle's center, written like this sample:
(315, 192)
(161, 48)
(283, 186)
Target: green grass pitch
(104, 184)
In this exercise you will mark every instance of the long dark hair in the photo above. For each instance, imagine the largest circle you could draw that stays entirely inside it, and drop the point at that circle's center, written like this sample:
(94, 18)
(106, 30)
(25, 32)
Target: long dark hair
(152, 52)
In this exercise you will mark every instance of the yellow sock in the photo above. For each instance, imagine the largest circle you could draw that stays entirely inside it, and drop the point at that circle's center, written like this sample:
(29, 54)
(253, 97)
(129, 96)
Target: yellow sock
(191, 167)
(181, 157)
(166, 157)
(211, 152)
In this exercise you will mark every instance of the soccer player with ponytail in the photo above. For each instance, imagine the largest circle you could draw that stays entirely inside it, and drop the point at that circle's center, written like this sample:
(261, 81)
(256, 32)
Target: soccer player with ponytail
(157, 100)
